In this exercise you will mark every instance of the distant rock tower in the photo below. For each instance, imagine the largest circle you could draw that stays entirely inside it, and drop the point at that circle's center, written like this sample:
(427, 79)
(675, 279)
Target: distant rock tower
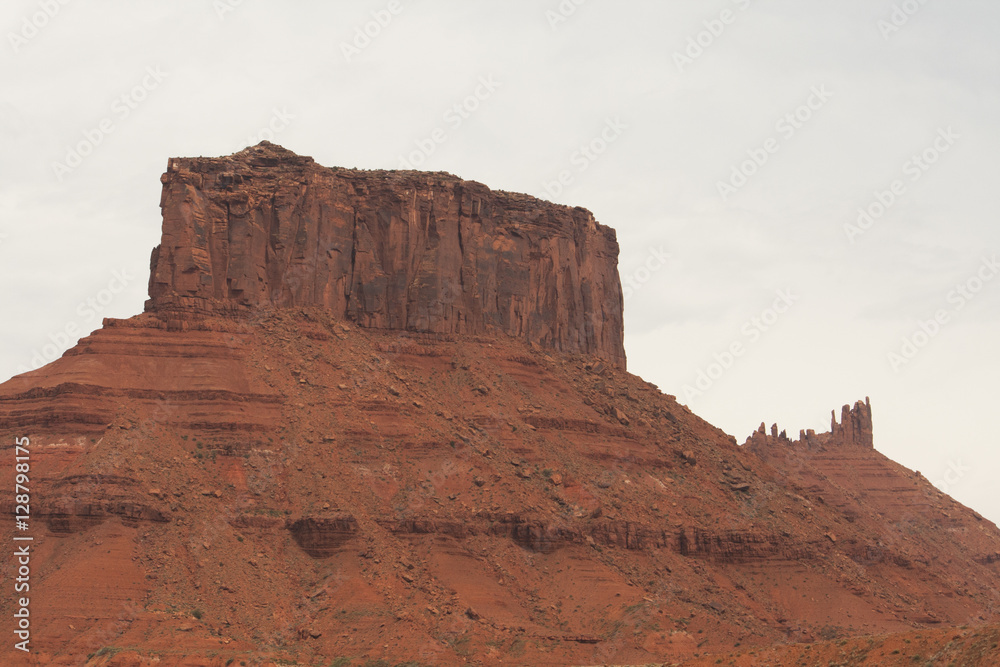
(854, 430)
(855, 426)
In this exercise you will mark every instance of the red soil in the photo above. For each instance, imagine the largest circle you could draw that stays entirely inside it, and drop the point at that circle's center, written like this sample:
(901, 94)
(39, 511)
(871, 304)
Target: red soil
(292, 487)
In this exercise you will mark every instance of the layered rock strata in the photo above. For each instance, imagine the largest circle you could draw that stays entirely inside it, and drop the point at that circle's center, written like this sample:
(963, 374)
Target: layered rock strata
(415, 251)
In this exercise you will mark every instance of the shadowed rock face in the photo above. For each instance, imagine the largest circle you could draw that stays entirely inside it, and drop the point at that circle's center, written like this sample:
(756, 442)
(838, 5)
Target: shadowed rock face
(393, 250)
(321, 538)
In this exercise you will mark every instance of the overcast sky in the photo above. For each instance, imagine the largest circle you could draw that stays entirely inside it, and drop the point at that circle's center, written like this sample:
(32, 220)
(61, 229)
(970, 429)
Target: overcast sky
(731, 143)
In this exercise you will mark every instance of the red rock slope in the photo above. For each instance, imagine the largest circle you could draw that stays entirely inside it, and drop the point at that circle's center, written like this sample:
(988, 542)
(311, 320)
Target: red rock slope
(230, 479)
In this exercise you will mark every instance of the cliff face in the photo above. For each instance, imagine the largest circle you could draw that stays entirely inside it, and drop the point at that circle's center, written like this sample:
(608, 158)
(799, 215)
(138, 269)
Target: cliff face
(413, 251)
(855, 427)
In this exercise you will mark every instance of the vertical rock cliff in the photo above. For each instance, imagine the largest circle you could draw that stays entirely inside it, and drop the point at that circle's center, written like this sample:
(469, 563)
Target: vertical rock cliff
(415, 251)
(855, 426)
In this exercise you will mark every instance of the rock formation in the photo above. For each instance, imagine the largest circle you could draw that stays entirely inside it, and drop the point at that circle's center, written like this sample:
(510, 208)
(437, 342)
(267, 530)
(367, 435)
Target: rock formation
(854, 430)
(299, 456)
(855, 426)
(416, 251)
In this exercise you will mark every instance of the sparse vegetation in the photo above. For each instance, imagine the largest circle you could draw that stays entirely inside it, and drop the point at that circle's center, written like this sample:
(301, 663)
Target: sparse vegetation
(109, 651)
(460, 644)
(632, 608)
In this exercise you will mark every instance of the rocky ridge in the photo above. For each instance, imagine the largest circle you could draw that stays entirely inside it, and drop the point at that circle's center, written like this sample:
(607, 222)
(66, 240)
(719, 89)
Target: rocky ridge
(854, 430)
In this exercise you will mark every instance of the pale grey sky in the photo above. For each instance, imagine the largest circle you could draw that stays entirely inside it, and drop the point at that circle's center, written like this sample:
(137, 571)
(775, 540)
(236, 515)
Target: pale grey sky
(739, 137)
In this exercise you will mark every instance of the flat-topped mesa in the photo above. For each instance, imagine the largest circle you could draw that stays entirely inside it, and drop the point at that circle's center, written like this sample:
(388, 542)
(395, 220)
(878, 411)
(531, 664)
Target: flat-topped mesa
(409, 250)
(854, 430)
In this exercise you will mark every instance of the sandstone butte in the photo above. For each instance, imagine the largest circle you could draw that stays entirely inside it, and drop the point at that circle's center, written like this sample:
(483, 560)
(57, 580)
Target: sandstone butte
(383, 418)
